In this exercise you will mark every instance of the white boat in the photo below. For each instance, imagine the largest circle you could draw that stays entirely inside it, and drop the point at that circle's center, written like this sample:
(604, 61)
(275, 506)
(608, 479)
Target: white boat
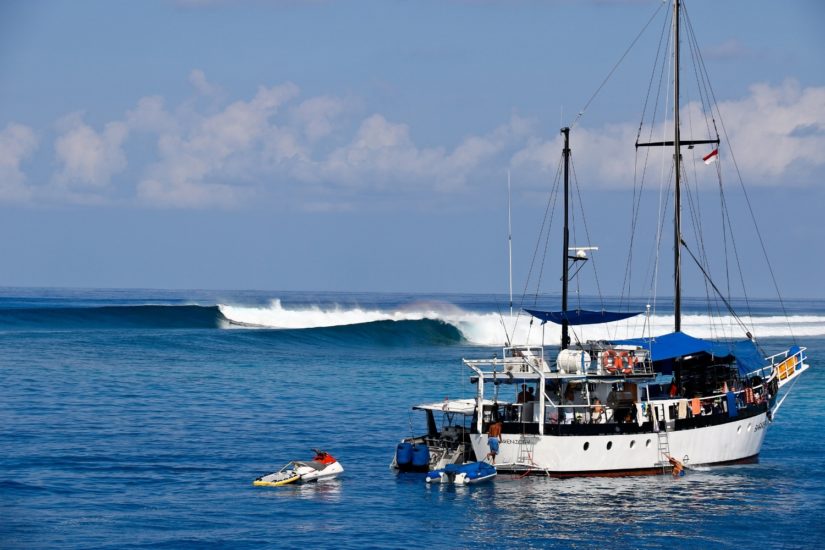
(322, 467)
(647, 405)
(447, 441)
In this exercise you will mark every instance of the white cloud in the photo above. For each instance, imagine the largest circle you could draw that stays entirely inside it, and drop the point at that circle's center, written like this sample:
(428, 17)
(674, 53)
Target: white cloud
(775, 130)
(150, 115)
(197, 78)
(196, 169)
(316, 116)
(87, 157)
(17, 142)
(313, 153)
(778, 129)
(382, 154)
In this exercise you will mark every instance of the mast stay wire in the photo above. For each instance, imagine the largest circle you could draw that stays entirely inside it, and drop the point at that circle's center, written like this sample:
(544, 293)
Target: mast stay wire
(549, 211)
(730, 308)
(616, 66)
(748, 203)
(704, 98)
(586, 230)
(699, 61)
(695, 216)
(662, 207)
(546, 235)
(639, 182)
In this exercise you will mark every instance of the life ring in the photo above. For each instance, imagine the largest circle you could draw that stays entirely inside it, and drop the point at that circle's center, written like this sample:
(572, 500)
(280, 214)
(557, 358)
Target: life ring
(631, 362)
(612, 360)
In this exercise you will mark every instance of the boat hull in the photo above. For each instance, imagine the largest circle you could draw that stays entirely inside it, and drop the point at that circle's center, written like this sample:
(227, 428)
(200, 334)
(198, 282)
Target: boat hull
(733, 442)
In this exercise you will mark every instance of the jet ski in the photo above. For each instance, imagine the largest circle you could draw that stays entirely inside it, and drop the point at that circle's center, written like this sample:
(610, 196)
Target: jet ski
(322, 466)
(463, 474)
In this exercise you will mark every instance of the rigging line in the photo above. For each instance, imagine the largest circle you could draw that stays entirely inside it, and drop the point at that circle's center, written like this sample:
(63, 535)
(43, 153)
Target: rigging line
(691, 194)
(699, 64)
(660, 229)
(547, 237)
(544, 222)
(616, 66)
(749, 205)
(627, 283)
(724, 230)
(638, 200)
(730, 309)
(753, 219)
(586, 230)
(573, 224)
(694, 54)
(503, 324)
(663, 206)
(575, 237)
(663, 35)
(727, 219)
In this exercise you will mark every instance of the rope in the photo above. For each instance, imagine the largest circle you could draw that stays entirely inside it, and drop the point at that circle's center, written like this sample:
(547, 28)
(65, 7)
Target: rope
(616, 66)
(730, 309)
(749, 205)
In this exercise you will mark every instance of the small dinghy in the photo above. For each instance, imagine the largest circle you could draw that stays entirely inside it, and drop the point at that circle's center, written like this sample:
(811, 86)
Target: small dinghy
(463, 474)
(322, 466)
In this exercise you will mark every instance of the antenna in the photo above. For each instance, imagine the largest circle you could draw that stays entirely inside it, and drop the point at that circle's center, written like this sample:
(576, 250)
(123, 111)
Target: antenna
(510, 242)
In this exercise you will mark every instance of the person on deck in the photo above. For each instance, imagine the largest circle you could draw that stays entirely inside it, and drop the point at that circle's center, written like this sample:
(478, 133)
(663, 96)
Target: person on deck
(598, 416)
(493, 435)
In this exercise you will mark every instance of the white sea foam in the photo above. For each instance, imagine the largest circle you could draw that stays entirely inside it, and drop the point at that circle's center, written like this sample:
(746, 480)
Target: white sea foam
(488, 328)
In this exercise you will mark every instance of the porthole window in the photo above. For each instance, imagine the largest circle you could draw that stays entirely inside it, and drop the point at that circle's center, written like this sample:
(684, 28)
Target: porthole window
(586, 445)
(749, 427)
(632, 443)
(739, 429)
(647, 443)
(609, 445)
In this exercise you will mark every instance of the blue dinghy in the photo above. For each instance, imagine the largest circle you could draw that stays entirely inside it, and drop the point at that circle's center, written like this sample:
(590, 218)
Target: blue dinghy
(463, 474)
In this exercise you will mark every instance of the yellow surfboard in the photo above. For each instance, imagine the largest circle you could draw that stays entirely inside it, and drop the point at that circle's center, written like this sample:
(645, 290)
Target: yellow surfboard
(276, 482)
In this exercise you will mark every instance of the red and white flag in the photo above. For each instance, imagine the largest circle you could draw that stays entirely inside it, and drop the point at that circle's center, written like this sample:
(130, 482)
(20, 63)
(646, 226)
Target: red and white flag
(713, 156)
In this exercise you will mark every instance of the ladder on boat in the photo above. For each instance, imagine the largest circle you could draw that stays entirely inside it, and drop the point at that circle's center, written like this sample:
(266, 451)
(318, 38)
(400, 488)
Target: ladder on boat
(524, 458)
(525, 453)
(664, 449)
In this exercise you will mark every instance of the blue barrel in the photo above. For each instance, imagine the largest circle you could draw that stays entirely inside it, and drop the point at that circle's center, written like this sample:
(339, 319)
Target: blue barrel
(404, 454)
(421, 456)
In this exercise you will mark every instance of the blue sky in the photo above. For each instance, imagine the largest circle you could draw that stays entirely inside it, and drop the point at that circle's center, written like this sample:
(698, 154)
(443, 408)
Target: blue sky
(331, 145)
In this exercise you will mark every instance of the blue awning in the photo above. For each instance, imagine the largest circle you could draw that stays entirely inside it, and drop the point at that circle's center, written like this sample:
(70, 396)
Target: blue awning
(679, 344)
(580, 316)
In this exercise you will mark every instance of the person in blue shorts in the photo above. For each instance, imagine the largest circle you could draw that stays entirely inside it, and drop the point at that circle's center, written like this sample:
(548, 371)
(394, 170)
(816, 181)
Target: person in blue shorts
(493, 435)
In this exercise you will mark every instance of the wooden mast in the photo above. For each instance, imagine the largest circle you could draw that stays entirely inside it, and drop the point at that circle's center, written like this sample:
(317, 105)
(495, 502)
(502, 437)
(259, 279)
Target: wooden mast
(677, 160)
(565, 324)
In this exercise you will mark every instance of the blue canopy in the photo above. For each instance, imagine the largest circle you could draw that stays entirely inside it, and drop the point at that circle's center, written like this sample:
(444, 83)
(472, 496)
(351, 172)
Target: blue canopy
(580, 316)
(679, 344)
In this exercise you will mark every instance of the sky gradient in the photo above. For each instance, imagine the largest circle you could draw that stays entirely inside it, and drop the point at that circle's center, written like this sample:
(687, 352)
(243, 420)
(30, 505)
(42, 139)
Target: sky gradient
(364, 146)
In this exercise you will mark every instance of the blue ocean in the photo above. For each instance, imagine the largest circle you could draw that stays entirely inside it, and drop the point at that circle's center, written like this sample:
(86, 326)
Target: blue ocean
(140, 418)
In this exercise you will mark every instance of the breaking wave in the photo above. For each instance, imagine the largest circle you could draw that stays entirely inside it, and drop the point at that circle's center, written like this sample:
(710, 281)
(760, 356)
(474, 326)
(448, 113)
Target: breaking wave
(489, 328)
(422, 322)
